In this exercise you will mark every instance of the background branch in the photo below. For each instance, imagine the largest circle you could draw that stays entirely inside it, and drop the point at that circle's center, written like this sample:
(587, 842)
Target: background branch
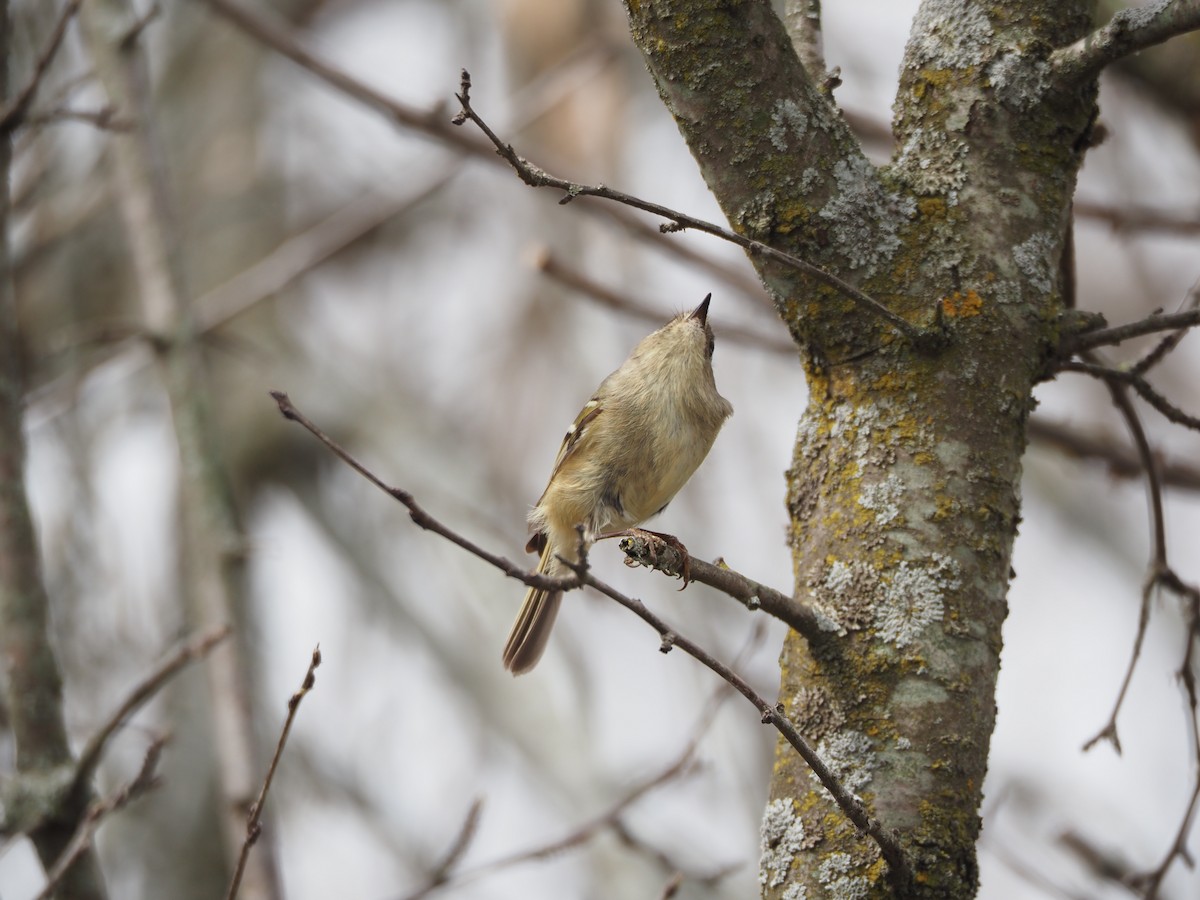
(925, 339)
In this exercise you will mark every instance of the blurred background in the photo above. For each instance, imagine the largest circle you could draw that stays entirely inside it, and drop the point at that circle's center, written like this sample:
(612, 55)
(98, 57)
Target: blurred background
(445, 323)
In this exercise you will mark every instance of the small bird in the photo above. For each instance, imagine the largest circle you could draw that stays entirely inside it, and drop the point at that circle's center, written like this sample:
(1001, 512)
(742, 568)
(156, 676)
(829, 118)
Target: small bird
(631, 448)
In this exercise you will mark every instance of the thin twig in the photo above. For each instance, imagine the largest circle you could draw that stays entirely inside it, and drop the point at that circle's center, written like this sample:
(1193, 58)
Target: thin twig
(1158, 554)
(1140, 385)
(254, 820)
(925, 339)
(1159, 575)
(14, 113)
(610, 818)
(105, 118)
(1127, 32)
(187, 652)
(418, 514)
(898, 870)
(81, 841)
(1090, 340)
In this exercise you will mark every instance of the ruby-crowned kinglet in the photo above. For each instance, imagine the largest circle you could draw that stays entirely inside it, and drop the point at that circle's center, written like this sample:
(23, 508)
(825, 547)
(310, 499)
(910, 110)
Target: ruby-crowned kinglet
(629, 451)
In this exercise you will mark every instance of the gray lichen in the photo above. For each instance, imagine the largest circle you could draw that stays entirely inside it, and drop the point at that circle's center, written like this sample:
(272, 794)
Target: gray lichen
(911, 598)
(782, 838)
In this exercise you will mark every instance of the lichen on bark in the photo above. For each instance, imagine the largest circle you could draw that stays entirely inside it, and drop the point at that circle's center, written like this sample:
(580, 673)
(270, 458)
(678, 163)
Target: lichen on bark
(903, 491)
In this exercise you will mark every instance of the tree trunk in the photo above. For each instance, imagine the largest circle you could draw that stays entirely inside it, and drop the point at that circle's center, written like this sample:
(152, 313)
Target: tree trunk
(903, 493)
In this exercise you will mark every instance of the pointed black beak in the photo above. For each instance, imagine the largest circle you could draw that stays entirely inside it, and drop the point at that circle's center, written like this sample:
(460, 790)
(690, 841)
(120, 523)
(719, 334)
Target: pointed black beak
(701, 311)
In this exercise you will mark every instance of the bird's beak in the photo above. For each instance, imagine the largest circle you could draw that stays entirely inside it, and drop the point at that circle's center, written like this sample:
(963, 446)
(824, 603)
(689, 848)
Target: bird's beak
(701, 311)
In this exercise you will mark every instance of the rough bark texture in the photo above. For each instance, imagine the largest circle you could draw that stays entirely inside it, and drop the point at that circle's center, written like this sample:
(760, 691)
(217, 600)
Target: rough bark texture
(903, 492)
(36, 799)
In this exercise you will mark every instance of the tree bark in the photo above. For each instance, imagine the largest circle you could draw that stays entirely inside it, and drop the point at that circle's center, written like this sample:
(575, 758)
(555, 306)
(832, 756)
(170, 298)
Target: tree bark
(903, 492)
(37, 800)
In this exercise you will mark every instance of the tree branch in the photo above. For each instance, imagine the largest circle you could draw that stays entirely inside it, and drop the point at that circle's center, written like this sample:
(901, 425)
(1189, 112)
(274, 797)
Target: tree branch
(924, 339)
(802, 18)
(1090, 340)
(254, 820)
(853, 808)
(81, 841)
(14, 113)
(653, 553)
(1127, 32)
(188, 652)
(1120, 459)
(1139, 384)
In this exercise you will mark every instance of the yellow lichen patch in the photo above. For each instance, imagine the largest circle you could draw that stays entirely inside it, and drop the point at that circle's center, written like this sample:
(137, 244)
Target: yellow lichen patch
(962, 305)
(932, 207)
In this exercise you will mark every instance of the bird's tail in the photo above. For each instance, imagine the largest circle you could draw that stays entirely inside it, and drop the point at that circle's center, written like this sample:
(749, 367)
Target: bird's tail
(534, 622)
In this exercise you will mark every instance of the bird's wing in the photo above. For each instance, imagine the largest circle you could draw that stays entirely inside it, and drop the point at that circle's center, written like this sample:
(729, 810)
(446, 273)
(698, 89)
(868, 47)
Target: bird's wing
(576, 433)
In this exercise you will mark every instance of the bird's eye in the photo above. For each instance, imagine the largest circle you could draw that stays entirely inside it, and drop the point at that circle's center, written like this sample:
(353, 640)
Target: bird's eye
(710, 346)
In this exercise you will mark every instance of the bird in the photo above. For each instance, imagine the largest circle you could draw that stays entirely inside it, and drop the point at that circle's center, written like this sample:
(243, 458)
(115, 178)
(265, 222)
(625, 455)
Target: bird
(634, 444)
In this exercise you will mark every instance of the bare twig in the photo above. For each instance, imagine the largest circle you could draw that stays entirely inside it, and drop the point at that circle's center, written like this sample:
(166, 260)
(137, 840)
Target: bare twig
(1090, 340)
(609, 819)
(926, 339)
(1127, 32)
(442, 872)
(1140, 385)
(254, 820)
(187, 652)
(899, 872)
(14, 113)
(418, 514)
(81, 841)
(105, 118)
(1158, 564)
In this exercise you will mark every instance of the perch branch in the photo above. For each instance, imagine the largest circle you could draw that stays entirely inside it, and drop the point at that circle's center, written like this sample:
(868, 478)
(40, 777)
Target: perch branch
(899, 872)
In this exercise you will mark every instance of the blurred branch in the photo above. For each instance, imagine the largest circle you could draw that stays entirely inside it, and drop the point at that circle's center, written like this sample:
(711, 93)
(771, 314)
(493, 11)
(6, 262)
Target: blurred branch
(1159, 575)
(1079, 343)
(210, 546)
(803, 21)
(899, 873)
(1128, 31)
(549, 265)
(32, 679)
(81, 842)
(610, 819)
(254, 820)
(187, 652)
(105, 118)
(1120, 459)
(278, 37)
(1135, 218)
(1140, 385)
(926, 339)
(14, 113)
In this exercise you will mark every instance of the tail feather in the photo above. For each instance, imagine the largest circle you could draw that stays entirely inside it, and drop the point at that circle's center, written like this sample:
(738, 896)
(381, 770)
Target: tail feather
(531, 631)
